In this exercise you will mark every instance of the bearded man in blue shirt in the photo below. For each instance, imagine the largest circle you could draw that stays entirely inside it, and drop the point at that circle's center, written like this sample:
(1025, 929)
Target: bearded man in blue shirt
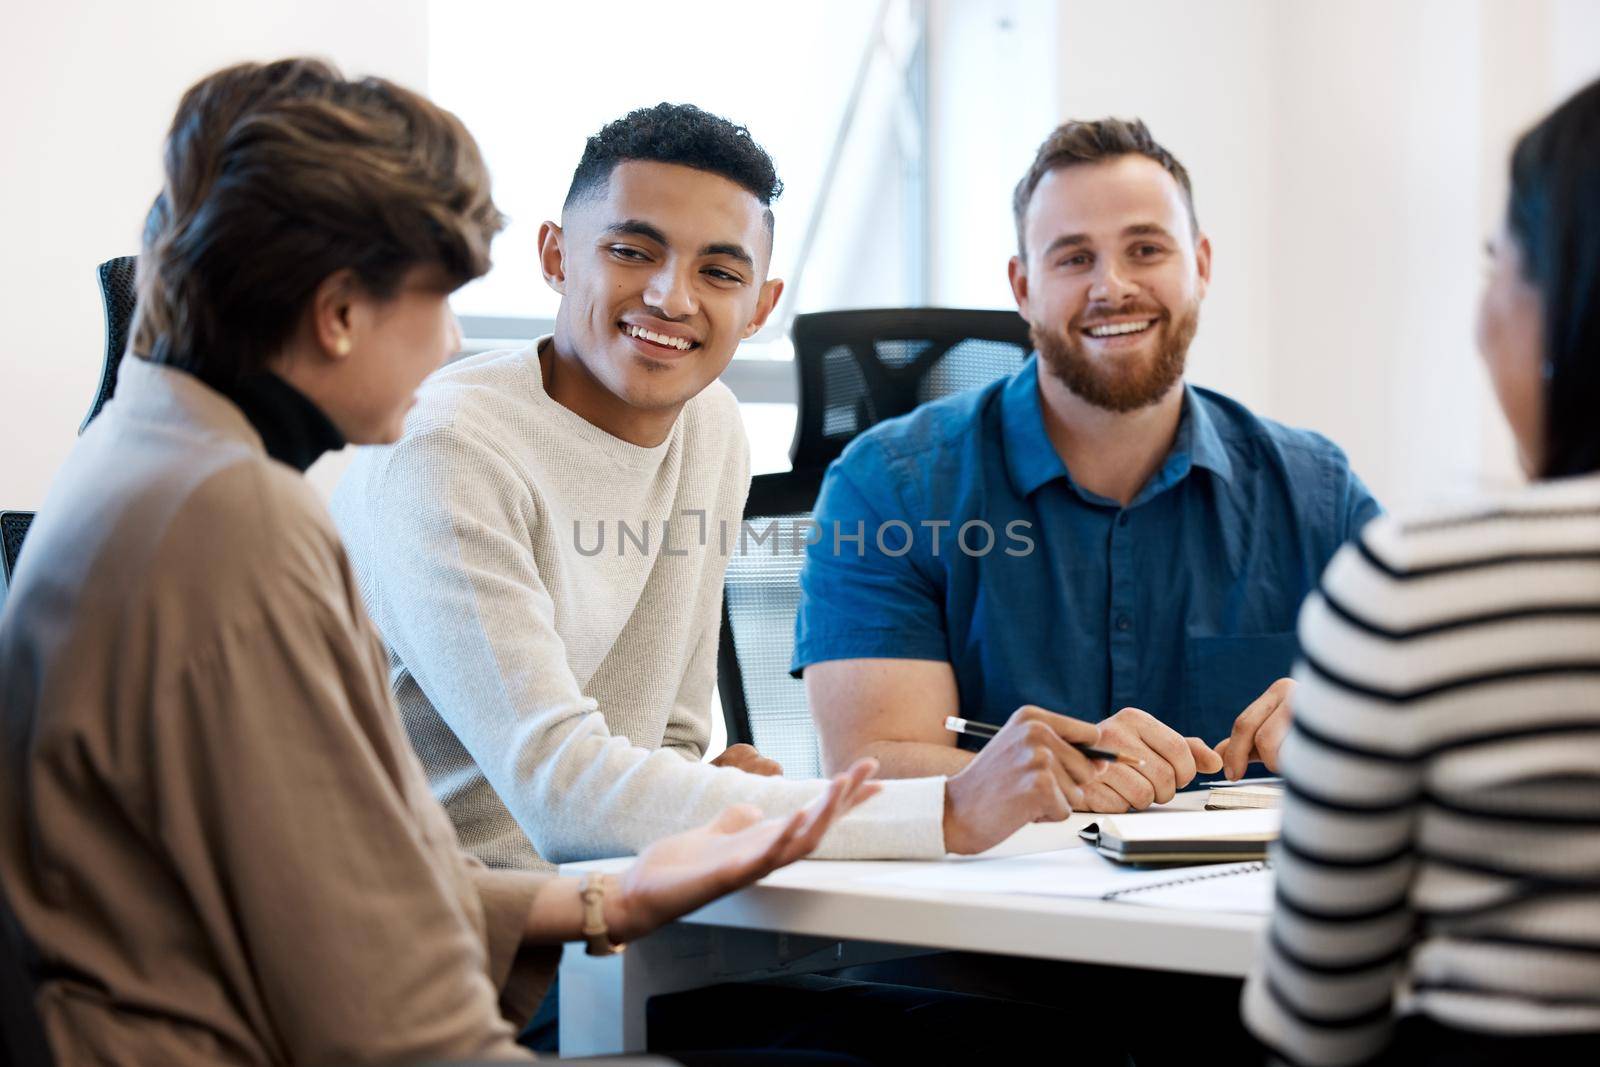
(1091, 535)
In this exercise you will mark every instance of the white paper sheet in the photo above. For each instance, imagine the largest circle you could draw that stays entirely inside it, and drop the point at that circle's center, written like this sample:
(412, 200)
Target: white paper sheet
(1084, 874)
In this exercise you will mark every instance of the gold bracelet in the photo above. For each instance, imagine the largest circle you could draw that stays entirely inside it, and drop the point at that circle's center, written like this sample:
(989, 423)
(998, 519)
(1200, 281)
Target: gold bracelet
(592, 891)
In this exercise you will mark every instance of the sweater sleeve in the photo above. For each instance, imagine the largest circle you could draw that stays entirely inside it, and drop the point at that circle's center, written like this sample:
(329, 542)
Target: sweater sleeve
(467, 611)
(522, 972)
(1323, 989)
(288, 801)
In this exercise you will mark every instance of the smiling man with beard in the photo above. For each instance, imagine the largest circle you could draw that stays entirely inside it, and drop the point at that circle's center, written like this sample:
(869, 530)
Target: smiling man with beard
(1091, 535)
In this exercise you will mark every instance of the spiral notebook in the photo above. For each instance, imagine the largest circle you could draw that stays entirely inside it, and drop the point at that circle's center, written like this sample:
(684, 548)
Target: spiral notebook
(1086, 875)
(1238, 887)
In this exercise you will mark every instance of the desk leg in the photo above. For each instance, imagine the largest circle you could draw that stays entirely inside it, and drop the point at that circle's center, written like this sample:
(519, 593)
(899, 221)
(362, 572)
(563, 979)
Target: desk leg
(603, 998)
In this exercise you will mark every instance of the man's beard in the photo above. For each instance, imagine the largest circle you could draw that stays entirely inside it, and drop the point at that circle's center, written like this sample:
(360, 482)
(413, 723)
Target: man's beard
(1120, 384)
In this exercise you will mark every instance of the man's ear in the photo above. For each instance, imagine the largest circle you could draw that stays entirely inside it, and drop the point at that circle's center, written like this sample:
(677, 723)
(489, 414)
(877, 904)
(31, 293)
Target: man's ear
(553, 256)
(1017, 273)
(333, 314)
(1202, 262)
(771, 291)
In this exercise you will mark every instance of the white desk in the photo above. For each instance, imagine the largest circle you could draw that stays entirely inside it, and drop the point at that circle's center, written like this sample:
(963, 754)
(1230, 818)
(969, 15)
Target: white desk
(818, 915)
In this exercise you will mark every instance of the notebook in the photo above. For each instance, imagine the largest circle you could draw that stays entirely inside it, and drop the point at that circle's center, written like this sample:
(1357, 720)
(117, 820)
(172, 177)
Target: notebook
(1173, 837)
(1236, 887)
(1232, 798)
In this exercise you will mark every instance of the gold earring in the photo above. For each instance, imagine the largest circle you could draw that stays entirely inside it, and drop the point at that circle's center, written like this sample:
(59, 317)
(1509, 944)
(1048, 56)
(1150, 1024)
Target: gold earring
(341, 347)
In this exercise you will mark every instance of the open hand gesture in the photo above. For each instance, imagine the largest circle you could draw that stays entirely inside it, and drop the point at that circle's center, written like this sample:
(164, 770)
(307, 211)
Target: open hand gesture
(678, 874)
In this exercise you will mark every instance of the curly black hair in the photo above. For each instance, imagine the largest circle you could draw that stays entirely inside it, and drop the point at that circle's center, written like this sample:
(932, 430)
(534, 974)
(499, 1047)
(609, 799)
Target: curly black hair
(677, 133)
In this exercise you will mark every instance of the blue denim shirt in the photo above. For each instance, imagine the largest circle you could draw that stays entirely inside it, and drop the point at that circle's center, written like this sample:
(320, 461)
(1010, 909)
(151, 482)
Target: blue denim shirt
(978, 549)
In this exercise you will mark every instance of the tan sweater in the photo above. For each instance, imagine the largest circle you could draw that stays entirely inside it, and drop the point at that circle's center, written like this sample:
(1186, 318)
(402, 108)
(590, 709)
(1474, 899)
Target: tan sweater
(559, 688)
(211, 825)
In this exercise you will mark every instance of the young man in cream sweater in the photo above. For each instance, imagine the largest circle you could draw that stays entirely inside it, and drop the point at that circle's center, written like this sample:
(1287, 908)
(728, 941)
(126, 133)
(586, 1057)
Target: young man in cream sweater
(543, 554)
(554, 671)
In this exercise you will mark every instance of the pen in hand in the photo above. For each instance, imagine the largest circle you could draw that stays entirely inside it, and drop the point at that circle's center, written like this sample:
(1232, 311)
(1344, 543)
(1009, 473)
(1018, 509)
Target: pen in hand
(958, 725)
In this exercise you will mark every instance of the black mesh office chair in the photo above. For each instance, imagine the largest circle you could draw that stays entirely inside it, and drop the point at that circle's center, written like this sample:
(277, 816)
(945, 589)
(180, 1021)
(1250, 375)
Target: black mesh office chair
(118, 297)
(13, 528)
(761, 704)
(855, 368)
(858, 368)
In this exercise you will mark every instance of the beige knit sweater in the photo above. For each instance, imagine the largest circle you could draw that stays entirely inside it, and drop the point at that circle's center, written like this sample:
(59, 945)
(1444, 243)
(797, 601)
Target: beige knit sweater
(211, 825)
(550, 596)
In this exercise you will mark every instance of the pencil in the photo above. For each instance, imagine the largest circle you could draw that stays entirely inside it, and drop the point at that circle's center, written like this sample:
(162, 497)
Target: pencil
(956, 724)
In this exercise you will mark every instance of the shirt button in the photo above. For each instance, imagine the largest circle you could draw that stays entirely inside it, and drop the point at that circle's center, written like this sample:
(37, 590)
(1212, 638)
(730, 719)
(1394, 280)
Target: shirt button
(1122, 520)
(1124, 623)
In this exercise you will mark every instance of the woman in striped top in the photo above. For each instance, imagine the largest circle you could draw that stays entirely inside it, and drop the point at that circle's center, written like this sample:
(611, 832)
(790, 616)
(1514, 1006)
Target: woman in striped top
(1440, 859)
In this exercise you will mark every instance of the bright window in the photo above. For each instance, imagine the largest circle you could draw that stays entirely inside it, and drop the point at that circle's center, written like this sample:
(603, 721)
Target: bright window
(533, 81)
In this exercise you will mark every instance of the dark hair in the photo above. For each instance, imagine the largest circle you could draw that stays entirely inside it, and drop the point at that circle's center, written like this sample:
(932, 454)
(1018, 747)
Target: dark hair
(1073, 143)
(280, 175)
(683, 134)
(1554, 216)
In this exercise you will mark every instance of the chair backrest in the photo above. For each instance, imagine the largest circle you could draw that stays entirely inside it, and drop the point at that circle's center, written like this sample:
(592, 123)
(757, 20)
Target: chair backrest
(855, 368)
(858, 368)
(119, 296)
(761, 704)
(13, 528)
(22, 1040)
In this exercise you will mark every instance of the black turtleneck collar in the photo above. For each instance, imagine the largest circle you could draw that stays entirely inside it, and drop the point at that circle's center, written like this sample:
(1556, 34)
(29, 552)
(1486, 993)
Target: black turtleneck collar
(293, 429)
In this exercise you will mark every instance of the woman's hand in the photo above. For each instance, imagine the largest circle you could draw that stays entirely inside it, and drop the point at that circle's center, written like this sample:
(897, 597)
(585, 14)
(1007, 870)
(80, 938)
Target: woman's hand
(678, 874)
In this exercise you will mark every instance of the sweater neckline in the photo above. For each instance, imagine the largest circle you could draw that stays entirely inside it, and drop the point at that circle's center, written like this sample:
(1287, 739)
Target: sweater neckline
(623, 453)
(293, 429)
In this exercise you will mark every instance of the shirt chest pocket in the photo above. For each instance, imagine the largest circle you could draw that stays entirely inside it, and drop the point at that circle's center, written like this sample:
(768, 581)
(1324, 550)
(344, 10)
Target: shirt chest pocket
(1224, 674)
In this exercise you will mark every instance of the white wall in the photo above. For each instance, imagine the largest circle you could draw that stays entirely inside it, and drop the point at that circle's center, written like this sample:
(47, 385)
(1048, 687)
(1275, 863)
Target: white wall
(1375, 236)
(1006, 71)
(90, 87)
(1348, 161)
(1200, 77)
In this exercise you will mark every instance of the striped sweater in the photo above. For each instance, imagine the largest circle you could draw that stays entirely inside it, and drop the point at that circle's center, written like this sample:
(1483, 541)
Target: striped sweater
(1441, 833)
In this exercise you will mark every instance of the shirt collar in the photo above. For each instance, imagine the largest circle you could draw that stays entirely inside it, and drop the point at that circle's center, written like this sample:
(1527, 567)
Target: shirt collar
(1031, 458)
(1198, 435)
(1032, 461)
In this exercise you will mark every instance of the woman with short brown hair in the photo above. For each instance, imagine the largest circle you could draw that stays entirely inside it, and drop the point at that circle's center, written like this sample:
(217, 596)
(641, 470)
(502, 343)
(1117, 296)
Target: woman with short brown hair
(211, 825)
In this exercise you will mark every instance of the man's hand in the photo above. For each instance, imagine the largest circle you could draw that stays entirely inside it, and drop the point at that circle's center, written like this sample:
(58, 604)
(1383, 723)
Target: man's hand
(745, 758)
(678, 874)
(1170, 762)
(1028, 772)
(1258, 732)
